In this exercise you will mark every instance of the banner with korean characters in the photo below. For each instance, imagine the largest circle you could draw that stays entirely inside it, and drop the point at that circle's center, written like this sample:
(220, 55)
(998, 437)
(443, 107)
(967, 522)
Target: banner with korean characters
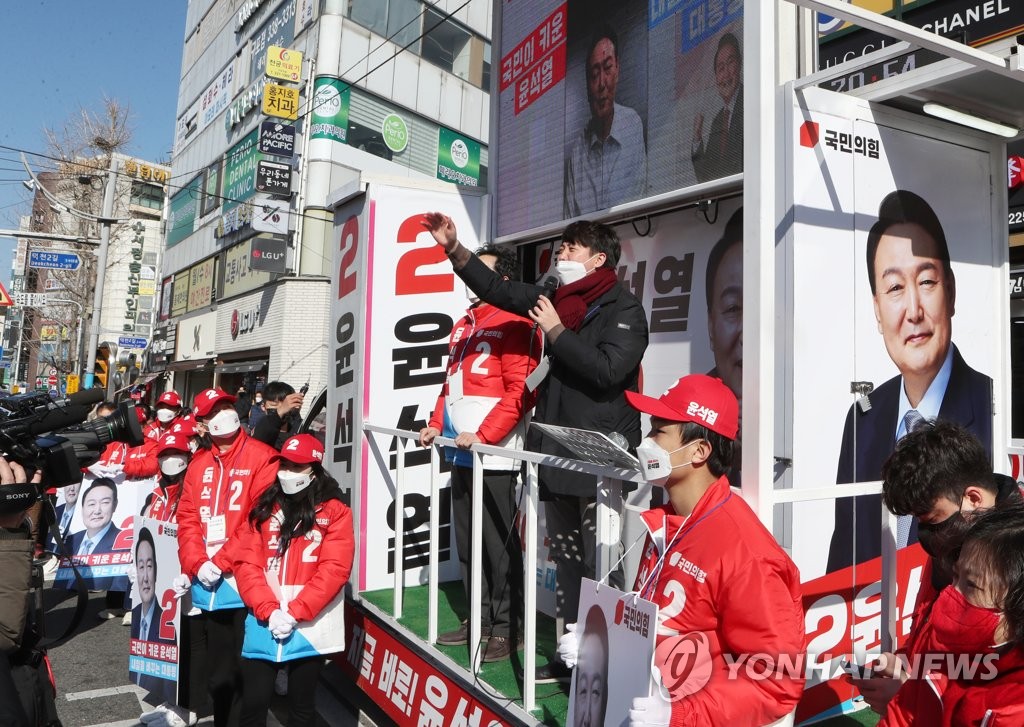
(407, 687)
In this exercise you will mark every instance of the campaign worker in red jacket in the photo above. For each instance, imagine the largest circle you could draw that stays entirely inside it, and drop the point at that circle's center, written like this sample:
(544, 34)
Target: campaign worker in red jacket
(117, 458)
(722, 584)
(221, 485)
(484, 399)
(977, 677)
(168, 409)
(293, 561)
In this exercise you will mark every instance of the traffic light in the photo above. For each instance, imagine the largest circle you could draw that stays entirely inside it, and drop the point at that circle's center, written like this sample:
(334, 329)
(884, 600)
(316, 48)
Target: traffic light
(102, 367)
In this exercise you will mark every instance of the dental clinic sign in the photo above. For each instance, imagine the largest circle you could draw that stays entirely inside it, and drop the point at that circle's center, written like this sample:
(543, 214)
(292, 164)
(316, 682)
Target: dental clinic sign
(458, 158)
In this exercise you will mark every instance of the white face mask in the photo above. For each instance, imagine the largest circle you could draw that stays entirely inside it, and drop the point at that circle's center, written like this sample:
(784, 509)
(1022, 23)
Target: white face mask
(655, 462)
(569, 271)
(165, 416)
(224, 423)
(259, 399)
(293, 482)
(173, 464)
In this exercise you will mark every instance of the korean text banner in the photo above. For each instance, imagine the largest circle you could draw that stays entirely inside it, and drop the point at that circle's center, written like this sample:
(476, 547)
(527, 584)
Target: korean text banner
(598, 108)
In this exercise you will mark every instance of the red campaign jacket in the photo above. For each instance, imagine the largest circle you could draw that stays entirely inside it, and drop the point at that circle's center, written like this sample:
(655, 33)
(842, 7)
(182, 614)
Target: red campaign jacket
(726, 577)
(163, 505)
(312, 572)
(139, 462)
(987, 700)
(492, 349)
(154, 431)
(221, 483)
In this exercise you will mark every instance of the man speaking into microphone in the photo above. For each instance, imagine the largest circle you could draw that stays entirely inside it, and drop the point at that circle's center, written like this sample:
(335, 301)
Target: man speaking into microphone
(596, 334)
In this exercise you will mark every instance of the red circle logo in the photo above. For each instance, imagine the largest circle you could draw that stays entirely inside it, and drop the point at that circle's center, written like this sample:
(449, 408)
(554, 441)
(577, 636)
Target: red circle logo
(234, 324)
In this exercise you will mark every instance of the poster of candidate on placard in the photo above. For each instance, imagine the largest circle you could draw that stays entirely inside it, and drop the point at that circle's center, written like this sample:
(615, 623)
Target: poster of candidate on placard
(98, 535)
(616, 634)
(156, 616)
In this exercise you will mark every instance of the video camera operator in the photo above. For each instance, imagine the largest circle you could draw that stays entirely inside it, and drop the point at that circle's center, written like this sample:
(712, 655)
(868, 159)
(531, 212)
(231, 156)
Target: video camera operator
(22, 692)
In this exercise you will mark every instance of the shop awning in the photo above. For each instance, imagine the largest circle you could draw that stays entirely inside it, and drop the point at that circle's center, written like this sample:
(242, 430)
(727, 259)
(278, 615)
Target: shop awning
(241, 367)
(188, 365)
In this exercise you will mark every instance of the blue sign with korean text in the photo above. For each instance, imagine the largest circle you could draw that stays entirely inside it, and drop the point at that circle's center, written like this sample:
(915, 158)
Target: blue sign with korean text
(130, 342)
(54, 260)
(703, 19)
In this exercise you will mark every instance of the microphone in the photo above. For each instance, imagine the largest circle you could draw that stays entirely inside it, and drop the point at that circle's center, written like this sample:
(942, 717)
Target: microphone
(550, 285)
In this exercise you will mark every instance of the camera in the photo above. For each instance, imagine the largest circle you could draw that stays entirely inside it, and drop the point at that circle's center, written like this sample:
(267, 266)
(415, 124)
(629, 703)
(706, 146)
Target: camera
(38, 432)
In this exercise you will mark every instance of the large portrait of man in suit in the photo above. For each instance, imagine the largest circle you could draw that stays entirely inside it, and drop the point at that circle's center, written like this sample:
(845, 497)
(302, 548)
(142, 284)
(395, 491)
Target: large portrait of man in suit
(98, 505)
(914, 295)
(147, 615)
(721, 154)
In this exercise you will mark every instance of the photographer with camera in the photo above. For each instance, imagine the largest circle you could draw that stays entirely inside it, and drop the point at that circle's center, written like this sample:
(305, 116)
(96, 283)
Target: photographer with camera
(20, 695)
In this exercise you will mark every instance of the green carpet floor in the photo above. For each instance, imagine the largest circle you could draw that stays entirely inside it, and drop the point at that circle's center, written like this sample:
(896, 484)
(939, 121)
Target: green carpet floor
(552, 702)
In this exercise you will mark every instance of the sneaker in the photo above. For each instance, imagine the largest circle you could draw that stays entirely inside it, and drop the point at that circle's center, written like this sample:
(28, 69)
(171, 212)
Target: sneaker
(109, 613)
(281, 682)
(498, 649)
(178, 717)
(154, 717)
(460, 636)
(552, 673)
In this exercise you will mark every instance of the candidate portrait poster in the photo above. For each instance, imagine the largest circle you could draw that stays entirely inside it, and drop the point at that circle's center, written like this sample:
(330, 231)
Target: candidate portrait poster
(897, 303)
(99, 532)
(616, 634)
(153, 659)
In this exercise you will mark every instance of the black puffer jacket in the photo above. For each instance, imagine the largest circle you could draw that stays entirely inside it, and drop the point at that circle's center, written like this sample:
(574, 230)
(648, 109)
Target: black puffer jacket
(590, 369)
(15, 581)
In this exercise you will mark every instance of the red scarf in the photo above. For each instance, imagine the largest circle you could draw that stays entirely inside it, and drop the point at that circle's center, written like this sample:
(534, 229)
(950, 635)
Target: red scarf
(572, 300)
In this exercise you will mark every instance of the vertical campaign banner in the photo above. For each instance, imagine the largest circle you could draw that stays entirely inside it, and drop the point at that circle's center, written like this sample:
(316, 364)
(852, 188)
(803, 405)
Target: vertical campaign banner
(897, 305)
(99, 534)
(153, 659)
(616, 634)
(396, 302)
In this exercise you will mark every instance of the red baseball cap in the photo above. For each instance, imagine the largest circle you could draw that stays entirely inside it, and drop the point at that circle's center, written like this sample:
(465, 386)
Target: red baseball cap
(170, 398)
(185, 426)
(696, 398)
(301, 449)
(205, 400)
(172, 442)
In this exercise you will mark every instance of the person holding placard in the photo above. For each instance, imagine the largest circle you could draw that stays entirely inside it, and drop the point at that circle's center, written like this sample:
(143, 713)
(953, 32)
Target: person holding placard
(723, 585)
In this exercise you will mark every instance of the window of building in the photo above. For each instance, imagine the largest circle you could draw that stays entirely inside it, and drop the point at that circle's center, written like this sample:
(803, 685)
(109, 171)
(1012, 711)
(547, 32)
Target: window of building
(447, 45)
(368, 139)
(211, 189)
(150, 196)
(485, 80)
(398, 20)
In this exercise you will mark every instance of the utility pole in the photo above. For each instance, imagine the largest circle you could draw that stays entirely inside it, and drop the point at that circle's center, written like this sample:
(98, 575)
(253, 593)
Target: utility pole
(106, 220)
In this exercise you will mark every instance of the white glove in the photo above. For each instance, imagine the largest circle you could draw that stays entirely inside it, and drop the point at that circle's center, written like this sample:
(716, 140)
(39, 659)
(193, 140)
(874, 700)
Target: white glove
(569, 646)
(208, 574)
(281, 624)
(101, 469)
(653, 711)
(181, 585)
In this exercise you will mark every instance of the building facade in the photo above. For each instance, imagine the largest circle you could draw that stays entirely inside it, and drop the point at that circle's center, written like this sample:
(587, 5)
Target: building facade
(246, 269)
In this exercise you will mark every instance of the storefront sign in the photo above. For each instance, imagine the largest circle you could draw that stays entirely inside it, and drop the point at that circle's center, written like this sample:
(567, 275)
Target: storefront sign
(244, 321)
(234, 219)
(166, 292)
(269, 254)
(217, 96)
(458, 158)
(181, 220)
(281, 101)
(270, 214)
(330, 109)
(146, 172)
(240, 171)
(238, 277)
(196, 337)
(179, 300)
(277, 139)
(278, 30)
(395, 133)
(200, 285)
(284, 64)
(241, 108)
(274, 178)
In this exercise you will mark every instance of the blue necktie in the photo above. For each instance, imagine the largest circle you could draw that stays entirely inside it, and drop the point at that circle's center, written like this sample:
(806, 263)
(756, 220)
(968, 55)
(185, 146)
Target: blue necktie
(911, 421)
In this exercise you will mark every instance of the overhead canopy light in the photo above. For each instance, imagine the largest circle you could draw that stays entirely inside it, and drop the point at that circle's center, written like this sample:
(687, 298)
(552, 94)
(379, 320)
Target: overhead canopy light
(965, 119)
